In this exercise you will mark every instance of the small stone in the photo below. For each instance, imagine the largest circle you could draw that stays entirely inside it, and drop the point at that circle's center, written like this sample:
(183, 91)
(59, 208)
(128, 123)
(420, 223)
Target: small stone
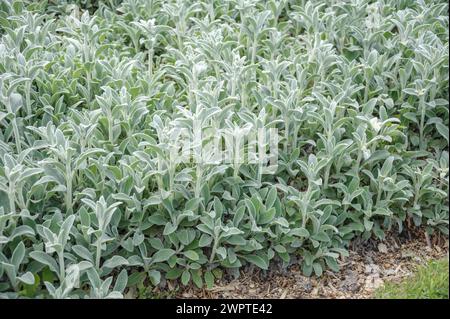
(390, 272)
(373, 282)
(350, 283)
(368, 269)
(307, 286)
(407, 254)
(382, 248)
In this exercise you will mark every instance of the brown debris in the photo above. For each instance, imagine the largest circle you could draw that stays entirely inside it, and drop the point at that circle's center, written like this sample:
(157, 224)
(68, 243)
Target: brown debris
(367, 268)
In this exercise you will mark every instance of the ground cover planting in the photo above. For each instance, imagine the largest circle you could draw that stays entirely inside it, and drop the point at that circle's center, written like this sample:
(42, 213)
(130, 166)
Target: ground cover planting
(155, 142)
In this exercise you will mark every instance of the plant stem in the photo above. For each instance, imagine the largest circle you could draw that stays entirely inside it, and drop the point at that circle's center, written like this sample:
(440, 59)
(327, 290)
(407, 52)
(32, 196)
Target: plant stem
(236, 171)
(260, 172)
(110, 131)
(68, 199)
(380, 191)
(213, 251)
(150, 62)
(198, 184)
(358, 163)
(366, 90)
(327, 175)
(12, 204)
(254, 47)
(88, 88)
(98, 254)
(422, 122)
(307, 198)
(286, 134)
(28, 97)
(62, 268)
(159, 177)
(16, 135)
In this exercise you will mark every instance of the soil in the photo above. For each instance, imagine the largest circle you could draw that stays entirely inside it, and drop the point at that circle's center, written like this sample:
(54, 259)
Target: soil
(368, 266)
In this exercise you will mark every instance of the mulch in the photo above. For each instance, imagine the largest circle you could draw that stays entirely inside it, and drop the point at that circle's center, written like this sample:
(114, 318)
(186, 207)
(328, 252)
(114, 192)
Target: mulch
(368, 266)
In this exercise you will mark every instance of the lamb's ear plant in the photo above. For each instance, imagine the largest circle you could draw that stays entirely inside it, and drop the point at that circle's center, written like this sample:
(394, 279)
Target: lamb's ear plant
(215, 233)
(12, 268)
(101, 289)
(12, 102)
(422, 188)
(55, 242)
(112, 112)
(103, 214)
(151, 32)
(16, 175)
(62, 165)
(70, 283)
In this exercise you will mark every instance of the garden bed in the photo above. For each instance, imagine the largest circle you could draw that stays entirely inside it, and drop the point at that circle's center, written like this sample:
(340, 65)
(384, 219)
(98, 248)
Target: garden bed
(220, 149)
(368, 267)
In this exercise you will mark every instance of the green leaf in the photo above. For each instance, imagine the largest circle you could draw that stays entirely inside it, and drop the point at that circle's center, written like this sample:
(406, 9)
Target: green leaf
(16, 102)
(299, 232)
(387, 166)
(174, 273)
(209, 279)
(443, 130)
(192, 255)
(321, 236)
(115, 261)
(205, 240)
(162, 255)
(317, 269)
(155, 277)
(169, 229)
(45, 259)
(271, 197)
(257, 260)
(27, 278)
(197, 278)
(10, 272)
(135, 279)
(251, 208)
(185, 277)
(121, 282)
(218, 207)
(83, 252)
(18, 255)
(267, 217)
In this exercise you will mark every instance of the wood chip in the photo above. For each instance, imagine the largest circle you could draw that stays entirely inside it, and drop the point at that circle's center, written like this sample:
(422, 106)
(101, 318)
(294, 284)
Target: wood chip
(366, 269)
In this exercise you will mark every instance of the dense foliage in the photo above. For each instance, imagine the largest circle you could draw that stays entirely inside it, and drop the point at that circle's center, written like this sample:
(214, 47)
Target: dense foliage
(92, 200)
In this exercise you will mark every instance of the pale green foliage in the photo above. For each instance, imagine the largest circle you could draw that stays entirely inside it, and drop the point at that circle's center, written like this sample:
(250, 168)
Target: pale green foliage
(92, 198)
